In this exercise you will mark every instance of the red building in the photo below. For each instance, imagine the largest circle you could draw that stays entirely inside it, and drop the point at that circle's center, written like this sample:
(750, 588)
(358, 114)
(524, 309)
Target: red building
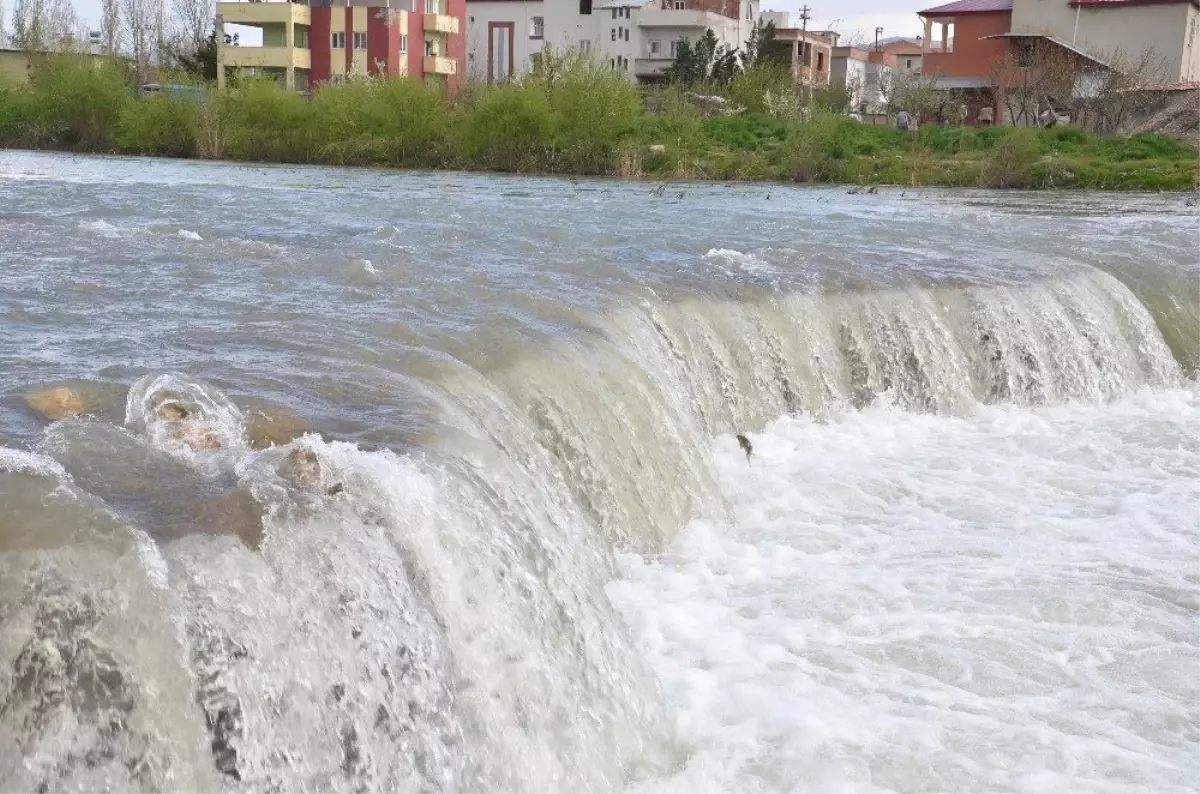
(308, 43)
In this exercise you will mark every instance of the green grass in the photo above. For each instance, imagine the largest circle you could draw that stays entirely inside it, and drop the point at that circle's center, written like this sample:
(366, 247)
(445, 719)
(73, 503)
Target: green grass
(570, 118)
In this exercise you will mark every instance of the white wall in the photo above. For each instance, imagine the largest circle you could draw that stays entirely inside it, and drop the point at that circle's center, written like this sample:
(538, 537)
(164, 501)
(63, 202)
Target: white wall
(480, 13)
(1166, 28)
(566, 28)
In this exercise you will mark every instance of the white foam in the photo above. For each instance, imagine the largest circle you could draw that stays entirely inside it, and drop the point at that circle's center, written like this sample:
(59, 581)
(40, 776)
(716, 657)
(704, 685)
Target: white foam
(19, 461)
(99, 227)
(187, 234)
(914, 602)
(367, 266)
(740, 261)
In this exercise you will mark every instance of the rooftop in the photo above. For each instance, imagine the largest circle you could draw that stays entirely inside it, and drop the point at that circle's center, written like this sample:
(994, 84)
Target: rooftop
(968, 7)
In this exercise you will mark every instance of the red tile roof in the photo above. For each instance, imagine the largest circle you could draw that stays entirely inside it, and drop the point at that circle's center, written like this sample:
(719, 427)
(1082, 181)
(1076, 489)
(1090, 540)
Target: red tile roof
(968, 7)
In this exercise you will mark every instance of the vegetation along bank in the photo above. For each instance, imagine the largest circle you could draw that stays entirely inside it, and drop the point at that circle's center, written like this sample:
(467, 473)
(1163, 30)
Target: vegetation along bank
(572, 117)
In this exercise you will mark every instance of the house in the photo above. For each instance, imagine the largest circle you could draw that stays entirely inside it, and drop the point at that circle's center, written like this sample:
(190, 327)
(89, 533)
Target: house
(962, 49)
(849, 66)
(316, 41)
(636, 37)
(812, 50)
(907, 52)
(1119, 32)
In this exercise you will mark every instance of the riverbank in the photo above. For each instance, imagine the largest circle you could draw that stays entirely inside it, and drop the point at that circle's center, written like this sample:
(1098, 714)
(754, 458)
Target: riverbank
(584, 121)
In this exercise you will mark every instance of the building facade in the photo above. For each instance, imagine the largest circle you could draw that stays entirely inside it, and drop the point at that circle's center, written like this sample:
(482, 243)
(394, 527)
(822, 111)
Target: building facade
(308, 43)
(1120, 31)
(639, 38)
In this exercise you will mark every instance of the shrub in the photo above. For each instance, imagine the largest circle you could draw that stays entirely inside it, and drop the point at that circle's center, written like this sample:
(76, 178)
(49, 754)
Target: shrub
(750, 89)
(260, 121)
(594, 109)
(1011, 162)
(395, 121)
(77, 101)
(158, 125)
(814, 147)
(509, 128)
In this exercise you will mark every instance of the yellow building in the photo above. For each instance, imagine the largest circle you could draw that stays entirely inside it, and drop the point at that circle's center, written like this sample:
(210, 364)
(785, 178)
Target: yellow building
(314, 41)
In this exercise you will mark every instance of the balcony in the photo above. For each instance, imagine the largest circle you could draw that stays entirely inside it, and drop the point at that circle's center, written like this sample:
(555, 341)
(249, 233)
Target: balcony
(441, 23)
(260, 13)
(651, 67)
(684, 18)
(436, 64)
(265, 57)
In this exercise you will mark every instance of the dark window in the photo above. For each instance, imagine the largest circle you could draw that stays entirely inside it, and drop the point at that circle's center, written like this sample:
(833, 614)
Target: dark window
(1028, 53)
(585, 6)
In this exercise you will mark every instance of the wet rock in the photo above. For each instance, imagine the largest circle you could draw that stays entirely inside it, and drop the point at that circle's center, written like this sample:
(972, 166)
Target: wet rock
(54, 404)
(276, 428)
(234, 513)
(199, 438)
(173, 411)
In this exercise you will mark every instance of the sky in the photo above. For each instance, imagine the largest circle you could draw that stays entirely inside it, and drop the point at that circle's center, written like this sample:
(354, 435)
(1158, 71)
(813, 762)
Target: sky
(896, 17)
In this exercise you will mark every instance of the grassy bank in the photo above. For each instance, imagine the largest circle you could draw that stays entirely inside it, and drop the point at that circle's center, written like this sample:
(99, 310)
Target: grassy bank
(577, 119)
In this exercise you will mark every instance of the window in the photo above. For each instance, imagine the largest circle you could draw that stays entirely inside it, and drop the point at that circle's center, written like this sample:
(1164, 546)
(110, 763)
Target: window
(908, 63)
(655, 48)
(431, 7)
(1028, 53)
(626, 34)
(585, 46)
(680, 5)
(339, 40)
(627, 11)
(302, 37)
(585, 8)
(614, 14)
(403, 42)
(749, 12)
(360, 41)
(820, 61)
(675, 48)
(614, 34)
(539, 28)
(429, 47)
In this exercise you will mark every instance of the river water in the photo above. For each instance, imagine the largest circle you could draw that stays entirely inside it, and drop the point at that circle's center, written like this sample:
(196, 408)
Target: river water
(521, 549)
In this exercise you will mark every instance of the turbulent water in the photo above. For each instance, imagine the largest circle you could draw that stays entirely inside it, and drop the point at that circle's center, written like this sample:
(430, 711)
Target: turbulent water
(519, 547)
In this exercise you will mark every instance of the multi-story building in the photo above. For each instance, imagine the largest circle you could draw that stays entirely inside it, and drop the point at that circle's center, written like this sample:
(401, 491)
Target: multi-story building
(812, 50)
(636, 37)
(316, 41)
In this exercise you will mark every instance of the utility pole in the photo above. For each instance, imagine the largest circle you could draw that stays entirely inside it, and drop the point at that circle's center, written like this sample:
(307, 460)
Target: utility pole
(807, 51)
(878, 32)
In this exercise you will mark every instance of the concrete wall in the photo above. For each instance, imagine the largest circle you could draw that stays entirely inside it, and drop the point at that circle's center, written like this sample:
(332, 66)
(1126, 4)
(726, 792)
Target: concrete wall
(1169, 28)
(520, 15)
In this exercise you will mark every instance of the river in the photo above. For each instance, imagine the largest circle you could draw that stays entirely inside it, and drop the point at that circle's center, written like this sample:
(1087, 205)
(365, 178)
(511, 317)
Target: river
(520, 548)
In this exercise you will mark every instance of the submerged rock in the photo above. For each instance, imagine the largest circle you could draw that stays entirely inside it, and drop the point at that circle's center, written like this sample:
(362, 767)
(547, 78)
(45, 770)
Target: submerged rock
(54, 404)
(199, 438)
(265, 430)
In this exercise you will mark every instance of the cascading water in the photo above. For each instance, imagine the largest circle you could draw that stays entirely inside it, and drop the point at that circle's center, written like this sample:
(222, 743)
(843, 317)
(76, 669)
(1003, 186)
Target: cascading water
(462, 607)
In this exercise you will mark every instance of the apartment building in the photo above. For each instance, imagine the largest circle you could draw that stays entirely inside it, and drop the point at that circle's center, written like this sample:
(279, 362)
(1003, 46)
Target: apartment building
(307, 43)
(812, 50)
(636, 37)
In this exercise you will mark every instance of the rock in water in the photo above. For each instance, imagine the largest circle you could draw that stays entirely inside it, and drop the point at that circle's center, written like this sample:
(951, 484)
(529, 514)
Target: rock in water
(198, 437)
(54, 404)
(276, 429)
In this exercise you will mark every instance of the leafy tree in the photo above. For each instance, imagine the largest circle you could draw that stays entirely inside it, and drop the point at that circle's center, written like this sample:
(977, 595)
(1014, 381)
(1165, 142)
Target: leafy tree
(763, 48)
(706, 61)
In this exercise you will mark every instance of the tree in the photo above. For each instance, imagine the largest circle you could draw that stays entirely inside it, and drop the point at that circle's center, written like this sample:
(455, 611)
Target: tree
(193, 21)
(763, 47)
(706, 61)
(40, 25)
(110, 26)
(202, 62)
(141, 21)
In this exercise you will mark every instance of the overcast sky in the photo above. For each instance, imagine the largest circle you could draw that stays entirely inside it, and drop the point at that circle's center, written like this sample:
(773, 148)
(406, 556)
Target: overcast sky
(896, 17)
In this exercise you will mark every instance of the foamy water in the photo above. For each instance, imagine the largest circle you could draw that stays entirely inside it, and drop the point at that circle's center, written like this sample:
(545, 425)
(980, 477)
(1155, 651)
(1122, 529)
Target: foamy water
(1004, 602)
(442, 494)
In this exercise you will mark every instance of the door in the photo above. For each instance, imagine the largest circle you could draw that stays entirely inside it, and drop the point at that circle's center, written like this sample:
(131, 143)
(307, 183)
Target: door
(500, 51)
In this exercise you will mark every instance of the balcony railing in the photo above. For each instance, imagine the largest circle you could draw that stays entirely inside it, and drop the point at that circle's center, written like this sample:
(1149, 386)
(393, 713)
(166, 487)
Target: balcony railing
(436, 64)
(266, 57)
(441, 23)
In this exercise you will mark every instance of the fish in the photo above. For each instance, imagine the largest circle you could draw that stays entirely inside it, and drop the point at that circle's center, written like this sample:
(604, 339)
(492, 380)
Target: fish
(746, 446)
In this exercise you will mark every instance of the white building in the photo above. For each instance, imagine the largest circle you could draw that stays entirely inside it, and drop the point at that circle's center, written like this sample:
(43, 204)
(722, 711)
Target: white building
(637, 37)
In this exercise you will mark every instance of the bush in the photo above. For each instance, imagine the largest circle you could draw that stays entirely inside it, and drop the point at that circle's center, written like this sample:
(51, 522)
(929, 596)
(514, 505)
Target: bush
(814, 147)
(76, 102)
(594, 109)
(1012, 160)
(749, 89)
(260, 121)
(158, 125)
(509, 128)
(395, 121)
